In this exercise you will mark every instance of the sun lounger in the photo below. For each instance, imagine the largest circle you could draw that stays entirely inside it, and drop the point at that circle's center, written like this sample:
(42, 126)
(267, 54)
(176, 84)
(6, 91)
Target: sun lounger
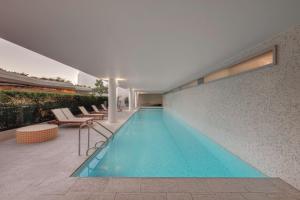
(64, 116)
(87, 114)
(105, 109)
(97, 111)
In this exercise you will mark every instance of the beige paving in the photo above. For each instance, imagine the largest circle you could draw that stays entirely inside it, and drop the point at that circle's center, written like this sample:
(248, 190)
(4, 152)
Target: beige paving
(42, 171)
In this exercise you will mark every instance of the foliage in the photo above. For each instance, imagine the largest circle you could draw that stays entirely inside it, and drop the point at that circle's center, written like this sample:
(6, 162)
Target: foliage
(86, 86)
(57, 79)
(24, 108)
(99, 88)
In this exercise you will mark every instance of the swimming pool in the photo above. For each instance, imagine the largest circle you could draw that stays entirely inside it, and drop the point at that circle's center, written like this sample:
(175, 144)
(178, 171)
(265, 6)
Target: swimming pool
(154, 143)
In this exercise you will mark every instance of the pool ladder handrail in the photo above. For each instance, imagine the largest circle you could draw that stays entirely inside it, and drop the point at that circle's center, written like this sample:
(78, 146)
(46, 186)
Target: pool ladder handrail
(104, 127)
(99, 142)
(95, 147)
(88, 124)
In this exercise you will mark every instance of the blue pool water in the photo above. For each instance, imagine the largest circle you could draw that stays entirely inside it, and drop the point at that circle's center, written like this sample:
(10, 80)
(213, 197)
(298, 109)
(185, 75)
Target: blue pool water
(153, 143)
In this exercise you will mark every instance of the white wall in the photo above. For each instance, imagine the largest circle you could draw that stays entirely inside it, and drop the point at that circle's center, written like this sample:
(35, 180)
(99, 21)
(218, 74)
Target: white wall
(255, 115)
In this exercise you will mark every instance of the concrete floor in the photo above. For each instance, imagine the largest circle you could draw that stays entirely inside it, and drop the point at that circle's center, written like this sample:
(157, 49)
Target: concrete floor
(42, 171)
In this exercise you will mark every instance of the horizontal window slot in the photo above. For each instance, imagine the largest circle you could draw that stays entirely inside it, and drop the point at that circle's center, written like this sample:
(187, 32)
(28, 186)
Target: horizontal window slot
(262, 60)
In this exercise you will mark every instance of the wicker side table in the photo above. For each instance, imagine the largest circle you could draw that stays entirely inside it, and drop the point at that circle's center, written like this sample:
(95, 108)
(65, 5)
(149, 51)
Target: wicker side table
(36, 133)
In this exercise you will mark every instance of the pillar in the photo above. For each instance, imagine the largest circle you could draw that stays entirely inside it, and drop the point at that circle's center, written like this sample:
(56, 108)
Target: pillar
(136, 94)
(112, 100)
(130, 99)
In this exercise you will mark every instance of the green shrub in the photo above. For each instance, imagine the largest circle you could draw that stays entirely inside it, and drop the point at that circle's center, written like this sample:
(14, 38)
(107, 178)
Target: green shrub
(24, 108)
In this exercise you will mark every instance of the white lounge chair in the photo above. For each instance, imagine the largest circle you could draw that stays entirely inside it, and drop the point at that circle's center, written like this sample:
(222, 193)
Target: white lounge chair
(70, 115)
(104, 108)
(96, 110)
(87, 114)
(68, 118)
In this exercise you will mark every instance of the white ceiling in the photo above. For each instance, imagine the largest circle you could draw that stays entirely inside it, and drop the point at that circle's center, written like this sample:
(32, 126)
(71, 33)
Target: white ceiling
(154, 44)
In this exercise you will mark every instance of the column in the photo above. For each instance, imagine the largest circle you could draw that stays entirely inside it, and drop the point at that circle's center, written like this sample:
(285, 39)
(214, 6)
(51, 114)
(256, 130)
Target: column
(136, 99)
(130, 99)
(112, 100)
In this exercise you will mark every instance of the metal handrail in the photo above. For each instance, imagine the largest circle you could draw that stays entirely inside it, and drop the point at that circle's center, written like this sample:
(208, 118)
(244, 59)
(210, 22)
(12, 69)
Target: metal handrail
(99, 132)
(99, 142)
(90, 126)
(105, 127)
(87, 151)
(95, 147)
(79, 136)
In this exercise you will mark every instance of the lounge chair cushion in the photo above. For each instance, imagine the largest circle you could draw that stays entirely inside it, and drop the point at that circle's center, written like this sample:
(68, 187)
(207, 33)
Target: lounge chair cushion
(95, 108)
(83, 110)
(104, 107)
(68, 113)
(59, 115)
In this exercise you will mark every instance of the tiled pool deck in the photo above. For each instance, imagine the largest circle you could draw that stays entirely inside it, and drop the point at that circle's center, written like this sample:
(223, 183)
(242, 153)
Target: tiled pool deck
(42, 171)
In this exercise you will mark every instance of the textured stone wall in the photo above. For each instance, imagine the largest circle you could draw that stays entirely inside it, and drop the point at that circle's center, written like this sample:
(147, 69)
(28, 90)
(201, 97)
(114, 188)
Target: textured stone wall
(255, 115)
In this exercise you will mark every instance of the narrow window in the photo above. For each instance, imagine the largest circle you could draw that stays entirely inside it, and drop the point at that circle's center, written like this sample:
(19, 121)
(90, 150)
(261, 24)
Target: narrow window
(264, 59)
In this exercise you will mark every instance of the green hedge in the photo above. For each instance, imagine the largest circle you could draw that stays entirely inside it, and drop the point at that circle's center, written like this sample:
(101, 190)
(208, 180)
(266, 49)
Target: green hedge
(25, 108)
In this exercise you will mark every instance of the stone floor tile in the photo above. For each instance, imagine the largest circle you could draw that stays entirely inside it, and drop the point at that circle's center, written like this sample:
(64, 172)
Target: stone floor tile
(8, 196)
(47, 197)
(54, 186)
(263, 185)
(227, 185)
(159, 185)
(179, 196)
(123, 185)
(77, 196)
(174, 185)
(192, 185)
(204, 197)
(282, 185)
(255, 196)
(280, 196)
(102, 196)
(89, 185)
(272, 196)
(141, 196)
(15, 186)
(229, 196)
